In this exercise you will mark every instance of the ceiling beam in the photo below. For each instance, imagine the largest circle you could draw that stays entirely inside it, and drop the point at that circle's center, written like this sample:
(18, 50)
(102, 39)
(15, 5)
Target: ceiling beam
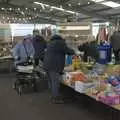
(61, 2)
(8, 1)
(51, 15)
(43, 20)
(38, 18)
(101, 10)
(30, 13)
(115, 1)
(5, 1)
(81, 10)
(84, 18)
(89, 13)
(113, 15)
(86, 5)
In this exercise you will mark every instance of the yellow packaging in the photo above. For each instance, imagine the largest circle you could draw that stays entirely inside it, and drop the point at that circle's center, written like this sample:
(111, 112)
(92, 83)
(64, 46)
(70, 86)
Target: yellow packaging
(76, 64)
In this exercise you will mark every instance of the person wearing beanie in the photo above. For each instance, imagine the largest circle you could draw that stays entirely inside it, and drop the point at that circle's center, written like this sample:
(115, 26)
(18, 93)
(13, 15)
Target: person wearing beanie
(54, 62)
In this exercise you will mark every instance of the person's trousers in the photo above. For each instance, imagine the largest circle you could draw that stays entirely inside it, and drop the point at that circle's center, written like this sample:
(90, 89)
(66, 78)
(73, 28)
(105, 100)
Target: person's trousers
(36, 61)
(54, 82)
(117, 53)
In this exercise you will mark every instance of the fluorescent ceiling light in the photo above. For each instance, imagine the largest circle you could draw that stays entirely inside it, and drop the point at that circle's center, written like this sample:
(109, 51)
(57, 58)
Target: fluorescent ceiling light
(61, 9)
(72, 12)
(42, 5)
(75, 27)
(97, 0)
(111, 4)
(69, 5)
(57, 8)
(88, 3)
(54, 7)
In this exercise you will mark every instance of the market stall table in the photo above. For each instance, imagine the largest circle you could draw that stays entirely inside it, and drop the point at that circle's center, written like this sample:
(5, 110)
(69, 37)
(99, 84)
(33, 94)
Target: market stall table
(5, 57)
(115, 109)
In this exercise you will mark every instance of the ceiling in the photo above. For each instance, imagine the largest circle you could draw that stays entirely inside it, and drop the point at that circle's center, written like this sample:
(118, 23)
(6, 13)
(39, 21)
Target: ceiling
(14, 11)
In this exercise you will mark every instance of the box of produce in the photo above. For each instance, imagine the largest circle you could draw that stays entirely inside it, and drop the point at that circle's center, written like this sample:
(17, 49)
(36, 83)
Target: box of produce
(82, 87)
(110, 100)
(78, 76)
(99, 69)
(113, 70)
(114, 80)
(67, 79)
(72, 77)
(88, 65)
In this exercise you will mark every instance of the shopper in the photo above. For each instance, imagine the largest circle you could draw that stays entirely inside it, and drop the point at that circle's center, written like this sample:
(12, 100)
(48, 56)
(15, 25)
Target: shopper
(23, 51)
(39, 46)
(115, 42)
(54, 62)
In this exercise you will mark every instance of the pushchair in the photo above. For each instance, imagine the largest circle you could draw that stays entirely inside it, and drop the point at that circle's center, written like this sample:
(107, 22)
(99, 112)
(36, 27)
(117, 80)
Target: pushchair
(25, 77)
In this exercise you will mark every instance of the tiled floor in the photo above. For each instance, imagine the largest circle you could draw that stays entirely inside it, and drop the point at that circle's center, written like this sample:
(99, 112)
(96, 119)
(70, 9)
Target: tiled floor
(36, 106)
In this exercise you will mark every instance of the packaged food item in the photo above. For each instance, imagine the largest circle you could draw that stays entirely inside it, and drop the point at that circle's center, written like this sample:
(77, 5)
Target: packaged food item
(76, 63)
(117, 89)
(113, 70)
(101, 88)
(113, 80)
(99, 69)
(110, 100)
(79, 76)
(82, 87)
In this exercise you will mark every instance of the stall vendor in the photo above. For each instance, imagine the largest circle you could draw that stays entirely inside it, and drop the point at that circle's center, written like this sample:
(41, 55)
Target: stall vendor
(90, 50)
(115, 42)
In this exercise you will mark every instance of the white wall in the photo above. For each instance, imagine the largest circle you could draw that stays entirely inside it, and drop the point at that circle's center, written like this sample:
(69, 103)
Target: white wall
(24, 29)
(21, 29)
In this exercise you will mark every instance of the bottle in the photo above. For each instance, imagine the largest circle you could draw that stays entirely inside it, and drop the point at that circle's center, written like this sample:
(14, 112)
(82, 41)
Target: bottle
(113, 59)
(76, 63)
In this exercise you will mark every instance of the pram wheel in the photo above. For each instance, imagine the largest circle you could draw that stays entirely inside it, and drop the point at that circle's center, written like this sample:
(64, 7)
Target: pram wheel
(34, 87)
(19, 90)
(15, 85)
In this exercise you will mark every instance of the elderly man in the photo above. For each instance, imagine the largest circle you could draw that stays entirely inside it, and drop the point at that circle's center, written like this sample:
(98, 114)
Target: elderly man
(54, 63)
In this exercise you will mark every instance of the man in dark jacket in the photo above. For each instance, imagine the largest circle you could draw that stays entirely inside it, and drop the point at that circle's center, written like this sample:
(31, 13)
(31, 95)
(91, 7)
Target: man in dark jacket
(54, 63)
(115, 42)
(39, 46)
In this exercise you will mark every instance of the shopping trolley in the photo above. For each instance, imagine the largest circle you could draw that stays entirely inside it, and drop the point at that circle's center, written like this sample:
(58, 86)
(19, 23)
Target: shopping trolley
(25, 77)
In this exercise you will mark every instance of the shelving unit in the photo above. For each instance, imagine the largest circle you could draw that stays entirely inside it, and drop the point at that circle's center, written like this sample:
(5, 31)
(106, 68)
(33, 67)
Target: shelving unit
(5, 48)
(5, 40)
